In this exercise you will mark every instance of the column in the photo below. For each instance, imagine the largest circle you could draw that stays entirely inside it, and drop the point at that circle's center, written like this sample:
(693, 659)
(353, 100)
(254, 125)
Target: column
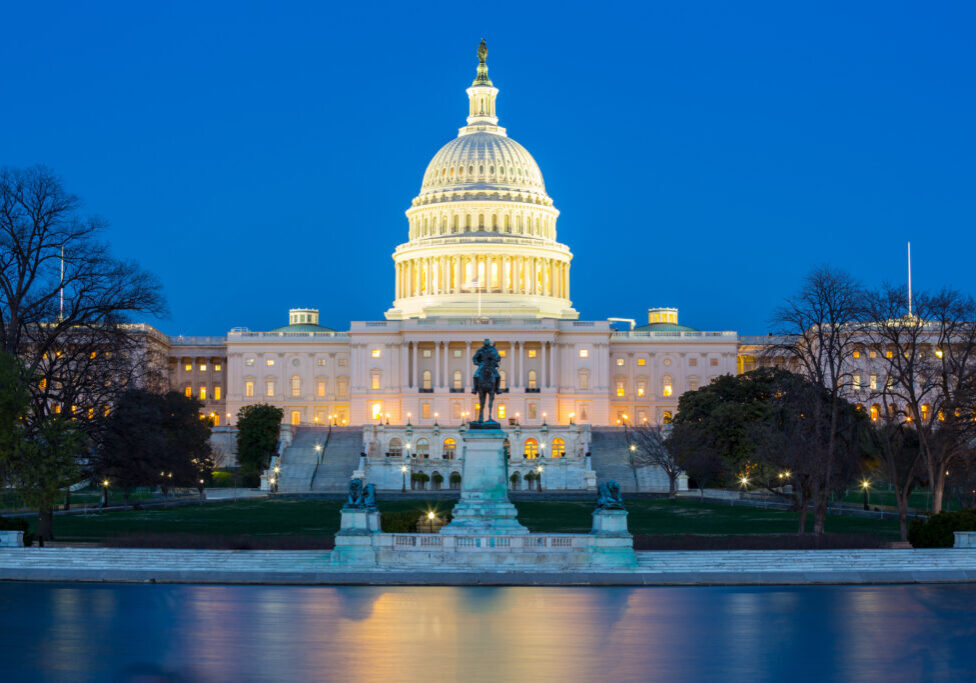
(467, 375)
(414, 375)
(404, 369)
(521, 367)
(457, 274)
(437, 365)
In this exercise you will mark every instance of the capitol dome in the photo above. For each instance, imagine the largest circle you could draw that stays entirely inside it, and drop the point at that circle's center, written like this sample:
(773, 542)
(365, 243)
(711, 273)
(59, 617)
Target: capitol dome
(482, 231)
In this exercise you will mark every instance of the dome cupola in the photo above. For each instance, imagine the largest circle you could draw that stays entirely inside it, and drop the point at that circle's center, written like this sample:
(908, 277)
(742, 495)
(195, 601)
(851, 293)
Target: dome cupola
(482, 231)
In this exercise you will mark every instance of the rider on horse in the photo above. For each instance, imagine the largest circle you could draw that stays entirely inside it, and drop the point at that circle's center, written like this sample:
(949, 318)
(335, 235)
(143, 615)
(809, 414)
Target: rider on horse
(486, 377)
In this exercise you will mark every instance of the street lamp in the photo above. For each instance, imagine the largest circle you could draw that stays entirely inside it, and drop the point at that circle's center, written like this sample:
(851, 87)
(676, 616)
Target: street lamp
(430, 521)
(104, 493)
(387, 418)
(539, 470)
(408, 451)
(744, 481)
(866, 485)
(571, 416)
(408, 419)
(403, 471)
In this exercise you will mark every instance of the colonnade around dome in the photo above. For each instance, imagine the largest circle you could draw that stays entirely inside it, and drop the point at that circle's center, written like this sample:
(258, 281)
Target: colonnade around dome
(466, 275)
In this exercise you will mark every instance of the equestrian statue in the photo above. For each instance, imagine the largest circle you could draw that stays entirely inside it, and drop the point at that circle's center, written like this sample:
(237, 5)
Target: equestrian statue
(486, 380)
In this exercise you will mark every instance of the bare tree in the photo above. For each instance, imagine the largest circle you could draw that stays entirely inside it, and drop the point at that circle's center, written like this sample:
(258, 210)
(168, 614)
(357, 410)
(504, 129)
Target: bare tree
(821, 327)
(648, 449)
(928, 358)
(65, 304)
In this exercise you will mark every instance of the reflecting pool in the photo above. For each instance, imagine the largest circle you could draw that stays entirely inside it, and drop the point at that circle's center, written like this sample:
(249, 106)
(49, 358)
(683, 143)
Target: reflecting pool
(129, 632)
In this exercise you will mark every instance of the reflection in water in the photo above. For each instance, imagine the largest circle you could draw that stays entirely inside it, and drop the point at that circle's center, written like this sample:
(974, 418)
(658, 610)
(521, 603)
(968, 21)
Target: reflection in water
(261, 633)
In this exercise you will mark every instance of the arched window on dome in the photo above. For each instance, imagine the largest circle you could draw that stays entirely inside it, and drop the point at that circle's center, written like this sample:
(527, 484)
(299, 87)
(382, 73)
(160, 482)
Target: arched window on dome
(481, 170)
(470, 170)
(481, 221)
(456, 227)
(507, 228)
(494, 222)
(491, 170)
(467, 222)
(460, 170)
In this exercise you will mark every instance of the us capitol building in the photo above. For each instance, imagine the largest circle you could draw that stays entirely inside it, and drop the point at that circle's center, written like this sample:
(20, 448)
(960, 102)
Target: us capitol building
(481, 260)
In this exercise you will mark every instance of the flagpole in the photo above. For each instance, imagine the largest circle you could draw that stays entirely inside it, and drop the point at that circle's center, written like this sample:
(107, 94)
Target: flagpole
(909, 279)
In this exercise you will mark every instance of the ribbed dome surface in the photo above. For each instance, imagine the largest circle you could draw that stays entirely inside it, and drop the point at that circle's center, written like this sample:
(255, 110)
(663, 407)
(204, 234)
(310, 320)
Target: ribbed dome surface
(483, 161)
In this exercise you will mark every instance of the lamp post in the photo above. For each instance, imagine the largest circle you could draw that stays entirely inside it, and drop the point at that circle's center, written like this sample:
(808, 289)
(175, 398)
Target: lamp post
(571, 416)
(430, 521)
(539, 470)
(403, 471)
(865, 486)
(104, 494)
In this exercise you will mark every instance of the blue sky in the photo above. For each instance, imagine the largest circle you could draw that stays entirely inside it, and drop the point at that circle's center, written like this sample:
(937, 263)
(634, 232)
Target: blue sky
(704, 155)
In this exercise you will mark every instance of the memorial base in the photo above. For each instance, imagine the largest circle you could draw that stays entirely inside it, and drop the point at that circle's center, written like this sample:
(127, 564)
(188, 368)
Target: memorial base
(354, 544)
(611, 543)
(484, 507)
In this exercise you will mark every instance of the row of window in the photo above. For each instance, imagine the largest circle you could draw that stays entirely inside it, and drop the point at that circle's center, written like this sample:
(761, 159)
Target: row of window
(295, 387)
(188, 367)
(321, 362)
(202, 392)
(641, 362)
(620, 385)
(457, 411)
(531, 448)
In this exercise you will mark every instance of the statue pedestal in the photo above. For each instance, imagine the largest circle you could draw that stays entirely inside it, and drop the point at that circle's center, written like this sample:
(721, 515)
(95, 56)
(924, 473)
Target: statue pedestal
(611, 545)
(484, 507)
(354, 544)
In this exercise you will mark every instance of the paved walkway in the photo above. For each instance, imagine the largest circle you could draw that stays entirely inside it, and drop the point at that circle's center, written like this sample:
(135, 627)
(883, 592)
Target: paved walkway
(740, 567)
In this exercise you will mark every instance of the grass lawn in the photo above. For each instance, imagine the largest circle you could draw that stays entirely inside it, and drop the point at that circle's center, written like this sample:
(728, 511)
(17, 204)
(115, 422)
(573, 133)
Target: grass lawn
(297, 517)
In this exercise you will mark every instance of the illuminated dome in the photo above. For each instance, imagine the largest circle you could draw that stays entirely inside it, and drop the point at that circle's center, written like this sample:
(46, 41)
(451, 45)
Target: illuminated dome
(482, 237)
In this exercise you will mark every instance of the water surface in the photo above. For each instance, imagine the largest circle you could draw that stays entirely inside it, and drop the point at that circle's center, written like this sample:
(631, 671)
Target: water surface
(108, 632)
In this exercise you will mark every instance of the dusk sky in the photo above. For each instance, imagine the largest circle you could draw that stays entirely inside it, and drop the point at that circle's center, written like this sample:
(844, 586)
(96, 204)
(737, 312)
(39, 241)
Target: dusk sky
(260, 156)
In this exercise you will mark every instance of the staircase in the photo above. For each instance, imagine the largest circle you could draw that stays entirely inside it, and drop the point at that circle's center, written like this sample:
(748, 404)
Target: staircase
(299, 460)
(339, 460)
(610, 457)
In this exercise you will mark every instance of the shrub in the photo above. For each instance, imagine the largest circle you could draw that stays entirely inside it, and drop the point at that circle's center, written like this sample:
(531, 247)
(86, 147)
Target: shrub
(455, 478)
(438, 477)
(18, 524)
(403, 522)
(222, 480)
(936, 531)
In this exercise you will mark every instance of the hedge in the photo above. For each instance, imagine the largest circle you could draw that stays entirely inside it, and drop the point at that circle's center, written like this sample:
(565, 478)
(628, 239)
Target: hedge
(936, 531)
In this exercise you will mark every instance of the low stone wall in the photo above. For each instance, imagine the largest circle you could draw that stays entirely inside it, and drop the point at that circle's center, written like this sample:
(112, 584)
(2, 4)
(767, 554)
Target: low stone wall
(964, 539)
(11, 539)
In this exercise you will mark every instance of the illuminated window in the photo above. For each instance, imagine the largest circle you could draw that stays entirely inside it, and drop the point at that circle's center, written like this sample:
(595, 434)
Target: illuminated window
(925, 412)
(531, 449)
(320, 389)
(376, 353)
(427, 353)
(450, 446)
(667, 417)
(374, 380)
(501, 352)
(501, 380)
(395, 449)
(216, 419)
(425, 410)
(203, 367)
(422, 449)
(269, 362)
(620, 387)
(889, 354)
(320, 362)
(938, 353)
(217, 393)
(874, 412)
(558, 448)
(457, 381)
(248, 389)
(856, 380)
(203, 393)
(713, 362)
(42, 385)
(425, 381)
(642, 362)
(342, 388)
(188, 367)
(693, 362)
(501, 411)
(584, 353)
(532, 379)
(296, 385)
(296, 417)
(641, 387)
(872, 354)
(873, 382)
(857, 354)
(584, 380)
(248, 362)
(376, 410)
(457, 353)
(269, 388)
(667, 386)
(531, 353)
(620, 362)
(217, 367)
(188, 391)
(341, 361)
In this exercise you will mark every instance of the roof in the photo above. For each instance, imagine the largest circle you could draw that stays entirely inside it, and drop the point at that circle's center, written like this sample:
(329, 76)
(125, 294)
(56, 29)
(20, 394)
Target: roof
(302, 327)
(664, 327)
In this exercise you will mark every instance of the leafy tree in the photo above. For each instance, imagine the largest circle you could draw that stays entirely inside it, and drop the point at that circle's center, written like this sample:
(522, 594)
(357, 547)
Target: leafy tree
(258, 426)
(14, 401)
(155, 439)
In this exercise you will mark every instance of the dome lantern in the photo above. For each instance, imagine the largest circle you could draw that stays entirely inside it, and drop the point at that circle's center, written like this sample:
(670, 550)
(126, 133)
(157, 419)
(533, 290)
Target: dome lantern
(481, 99)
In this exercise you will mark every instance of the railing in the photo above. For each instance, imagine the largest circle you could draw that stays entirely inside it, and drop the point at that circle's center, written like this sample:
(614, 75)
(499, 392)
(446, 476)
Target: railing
(487, 543)
(306, 335)
(650, 334)
(197, 341)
